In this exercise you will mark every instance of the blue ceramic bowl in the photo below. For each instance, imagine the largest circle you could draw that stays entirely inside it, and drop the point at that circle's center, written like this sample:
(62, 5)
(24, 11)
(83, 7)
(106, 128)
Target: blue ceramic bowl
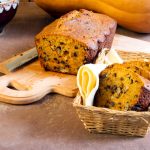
(8, 10)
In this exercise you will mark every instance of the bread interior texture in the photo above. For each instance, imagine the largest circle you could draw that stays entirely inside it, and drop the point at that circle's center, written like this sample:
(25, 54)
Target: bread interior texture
(61, 54)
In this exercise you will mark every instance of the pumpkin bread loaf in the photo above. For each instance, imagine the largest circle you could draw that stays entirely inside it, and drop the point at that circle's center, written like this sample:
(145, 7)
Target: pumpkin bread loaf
(122, 89)
(73, 40)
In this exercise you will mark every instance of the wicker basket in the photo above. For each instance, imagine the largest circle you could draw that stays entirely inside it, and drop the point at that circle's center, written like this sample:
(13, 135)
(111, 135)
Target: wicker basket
(104, 120)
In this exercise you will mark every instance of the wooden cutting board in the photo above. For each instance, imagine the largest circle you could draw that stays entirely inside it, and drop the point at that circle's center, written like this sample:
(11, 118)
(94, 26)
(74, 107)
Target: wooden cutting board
(30, 83)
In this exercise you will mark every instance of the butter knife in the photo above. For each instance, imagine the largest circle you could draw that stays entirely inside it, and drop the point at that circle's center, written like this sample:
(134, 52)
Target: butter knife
(16, 61)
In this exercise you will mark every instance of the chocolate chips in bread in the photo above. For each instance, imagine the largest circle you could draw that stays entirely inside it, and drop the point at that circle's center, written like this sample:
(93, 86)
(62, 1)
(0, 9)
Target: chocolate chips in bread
(73, 40)
(122, 89)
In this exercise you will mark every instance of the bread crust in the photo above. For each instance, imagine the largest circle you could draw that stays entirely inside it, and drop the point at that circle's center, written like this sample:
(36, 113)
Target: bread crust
(144, 98)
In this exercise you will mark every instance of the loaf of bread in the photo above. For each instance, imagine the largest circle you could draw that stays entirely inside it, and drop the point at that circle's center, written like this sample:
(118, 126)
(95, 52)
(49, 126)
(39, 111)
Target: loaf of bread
(122, 89)
(73, 40)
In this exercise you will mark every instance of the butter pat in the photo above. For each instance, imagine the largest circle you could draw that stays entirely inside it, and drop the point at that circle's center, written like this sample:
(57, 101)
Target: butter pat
(88, 81)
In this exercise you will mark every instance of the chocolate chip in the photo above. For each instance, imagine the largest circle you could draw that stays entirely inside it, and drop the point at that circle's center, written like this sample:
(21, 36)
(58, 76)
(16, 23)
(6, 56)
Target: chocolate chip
(135, 96)
(67, 66)
(147, 64)
(40, 47)
(59, 25)
(40, 56)
(63, 62)
(58, 48)
(76, 47)
(120, 107)
(121, 78)
(128, 76)
(131, 81)
(115, 75)
(66, 52)
(103, 76)
(118, 95)
(107, 87)
(62, 43)
(56, 60)
(75, 54)
(136, 68)
(112, 92)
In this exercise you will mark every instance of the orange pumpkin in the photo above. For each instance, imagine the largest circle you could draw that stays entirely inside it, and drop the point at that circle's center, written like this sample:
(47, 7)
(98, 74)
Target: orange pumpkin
(131, 14)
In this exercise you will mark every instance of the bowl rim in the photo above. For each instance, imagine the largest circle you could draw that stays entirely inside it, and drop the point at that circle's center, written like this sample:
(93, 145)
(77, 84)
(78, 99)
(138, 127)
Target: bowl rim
(8, 1)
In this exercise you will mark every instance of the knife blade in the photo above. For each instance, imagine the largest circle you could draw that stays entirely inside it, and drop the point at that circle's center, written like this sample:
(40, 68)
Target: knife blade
(16, 61)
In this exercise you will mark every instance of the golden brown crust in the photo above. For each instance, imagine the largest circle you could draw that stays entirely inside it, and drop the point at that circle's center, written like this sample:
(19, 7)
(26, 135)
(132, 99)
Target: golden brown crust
(144, 99)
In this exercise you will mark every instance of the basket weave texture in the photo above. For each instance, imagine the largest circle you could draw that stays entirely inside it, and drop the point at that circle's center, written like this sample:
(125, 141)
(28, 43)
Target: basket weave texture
(104, 120)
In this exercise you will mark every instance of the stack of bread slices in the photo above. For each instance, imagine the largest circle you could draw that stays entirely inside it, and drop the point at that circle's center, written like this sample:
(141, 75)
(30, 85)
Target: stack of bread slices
(125, 86)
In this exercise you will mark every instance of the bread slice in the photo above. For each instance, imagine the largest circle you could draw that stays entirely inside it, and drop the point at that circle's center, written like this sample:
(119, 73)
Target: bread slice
(122, 89)
(137, 67)
(140, 67)
(73, 40)
(145, 65)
